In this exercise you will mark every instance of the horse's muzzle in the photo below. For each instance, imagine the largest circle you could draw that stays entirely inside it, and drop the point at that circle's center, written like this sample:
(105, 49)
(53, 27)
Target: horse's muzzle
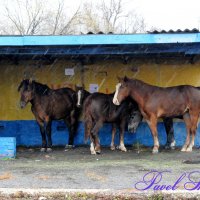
(78, 105)
(22, 104)
(116, 102)
(131, 130)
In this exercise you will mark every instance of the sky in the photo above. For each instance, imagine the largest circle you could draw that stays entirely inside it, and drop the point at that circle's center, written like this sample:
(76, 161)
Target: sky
(169, 14)
(159, 14)
(163, 14)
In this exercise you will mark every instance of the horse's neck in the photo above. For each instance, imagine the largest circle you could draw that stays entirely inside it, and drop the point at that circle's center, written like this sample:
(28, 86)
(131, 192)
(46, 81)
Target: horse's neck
(41, 89)
(40, 92)
(86, 94)
(139, 90)
(36, 101)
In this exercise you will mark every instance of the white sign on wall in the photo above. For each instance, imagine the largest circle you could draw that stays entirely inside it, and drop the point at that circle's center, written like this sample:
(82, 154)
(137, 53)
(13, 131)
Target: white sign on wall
(94, 88)
(69, 71)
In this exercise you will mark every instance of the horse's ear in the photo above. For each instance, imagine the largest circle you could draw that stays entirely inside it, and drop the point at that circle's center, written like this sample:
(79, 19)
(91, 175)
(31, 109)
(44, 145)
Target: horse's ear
(19, 87)
(125, 79)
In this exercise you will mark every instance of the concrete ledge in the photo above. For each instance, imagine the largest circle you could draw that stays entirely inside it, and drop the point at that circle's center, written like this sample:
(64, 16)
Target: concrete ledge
(44, 194)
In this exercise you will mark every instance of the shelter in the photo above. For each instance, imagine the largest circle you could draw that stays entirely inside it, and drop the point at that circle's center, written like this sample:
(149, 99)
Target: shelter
(95, 60)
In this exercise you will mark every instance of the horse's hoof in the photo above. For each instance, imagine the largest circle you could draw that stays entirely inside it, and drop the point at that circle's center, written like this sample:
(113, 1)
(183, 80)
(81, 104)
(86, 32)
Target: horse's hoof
(189, 149)
(155, 151)
(122, 148)
(98, 152)
(173, 145)
(93, 152)
(69, 146)
(183, 149)
(42, 149)
(49, 150)
(167, 147)
(112, 148)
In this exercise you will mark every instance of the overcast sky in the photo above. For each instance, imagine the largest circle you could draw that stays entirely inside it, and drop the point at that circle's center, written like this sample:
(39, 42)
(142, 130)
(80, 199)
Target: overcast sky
(161, 14)
(169, 14)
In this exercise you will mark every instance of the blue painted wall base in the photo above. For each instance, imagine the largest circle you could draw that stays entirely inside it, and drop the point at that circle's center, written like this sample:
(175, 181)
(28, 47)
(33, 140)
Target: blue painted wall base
(7, 147)
(27, 134)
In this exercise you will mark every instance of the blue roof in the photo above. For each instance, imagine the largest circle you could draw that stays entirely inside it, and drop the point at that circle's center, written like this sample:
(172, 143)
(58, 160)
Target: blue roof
(108, 39)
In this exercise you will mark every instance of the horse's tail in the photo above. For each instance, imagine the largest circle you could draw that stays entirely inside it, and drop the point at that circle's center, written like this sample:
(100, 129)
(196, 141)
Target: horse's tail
(87, 118)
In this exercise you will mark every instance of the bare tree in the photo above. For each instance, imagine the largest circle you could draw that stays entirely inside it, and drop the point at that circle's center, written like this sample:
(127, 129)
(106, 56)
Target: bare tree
(111, 13)
(31, 17)
(90, 19)
(27, 16)
(59, 23)
(111, 16)
(133, 23)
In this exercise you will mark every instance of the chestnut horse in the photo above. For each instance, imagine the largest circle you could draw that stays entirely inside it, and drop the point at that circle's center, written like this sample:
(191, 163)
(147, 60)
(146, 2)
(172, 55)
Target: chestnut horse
(155, 102)
(47, 105)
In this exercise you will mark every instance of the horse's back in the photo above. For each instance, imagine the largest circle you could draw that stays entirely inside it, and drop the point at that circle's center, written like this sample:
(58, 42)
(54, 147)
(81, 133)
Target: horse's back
(100, 106)
(173, 100)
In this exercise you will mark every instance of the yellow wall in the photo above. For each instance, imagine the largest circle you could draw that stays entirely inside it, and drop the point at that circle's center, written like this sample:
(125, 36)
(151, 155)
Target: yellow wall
(103, 73)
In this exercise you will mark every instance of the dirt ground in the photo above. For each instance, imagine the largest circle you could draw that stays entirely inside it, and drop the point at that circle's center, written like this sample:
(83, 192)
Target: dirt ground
(77, 169)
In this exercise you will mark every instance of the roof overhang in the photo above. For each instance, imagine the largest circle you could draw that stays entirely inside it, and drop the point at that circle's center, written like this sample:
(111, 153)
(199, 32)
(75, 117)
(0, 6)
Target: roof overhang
(131, 45)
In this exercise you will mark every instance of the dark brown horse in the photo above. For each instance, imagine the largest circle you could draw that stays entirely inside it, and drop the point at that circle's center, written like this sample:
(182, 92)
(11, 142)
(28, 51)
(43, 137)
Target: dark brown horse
(48, 105)
(98, 108)
(155, 102)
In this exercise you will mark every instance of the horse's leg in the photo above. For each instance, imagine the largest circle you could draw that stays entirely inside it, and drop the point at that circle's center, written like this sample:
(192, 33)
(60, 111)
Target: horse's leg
(168, 123)
(73, 127)
(42, 131)
(92, 146)
(88, 128)
(194, 120)
(114, 129)
(187, 120)
(152, 122)
(122, 129)
(67, 121)
(94, 132)
(48, 132)
(97, 144)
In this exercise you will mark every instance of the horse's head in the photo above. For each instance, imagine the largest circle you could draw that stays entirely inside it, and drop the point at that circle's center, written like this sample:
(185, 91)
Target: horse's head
(134, 120)
(80, 95)
(26, 88)
(122, 91)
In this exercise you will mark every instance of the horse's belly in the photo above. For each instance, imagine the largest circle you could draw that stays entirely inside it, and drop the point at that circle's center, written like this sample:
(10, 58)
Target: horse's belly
(172, 111)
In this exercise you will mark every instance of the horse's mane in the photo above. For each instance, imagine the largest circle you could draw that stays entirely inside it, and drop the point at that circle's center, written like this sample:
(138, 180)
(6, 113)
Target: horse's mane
(140, 83)
(40, 88)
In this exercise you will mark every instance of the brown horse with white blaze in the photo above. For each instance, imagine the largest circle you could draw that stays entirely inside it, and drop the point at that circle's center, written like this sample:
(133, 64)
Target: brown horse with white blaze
(157, 102)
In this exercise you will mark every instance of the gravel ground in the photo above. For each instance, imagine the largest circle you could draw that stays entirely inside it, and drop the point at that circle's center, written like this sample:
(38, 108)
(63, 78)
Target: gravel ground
(77, 169)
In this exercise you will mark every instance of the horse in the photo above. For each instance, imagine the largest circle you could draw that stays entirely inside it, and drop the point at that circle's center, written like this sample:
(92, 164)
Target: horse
(83, 94)
(98, 108)
(155, 102)
(47, 105)
(135, 116)
(134, 119)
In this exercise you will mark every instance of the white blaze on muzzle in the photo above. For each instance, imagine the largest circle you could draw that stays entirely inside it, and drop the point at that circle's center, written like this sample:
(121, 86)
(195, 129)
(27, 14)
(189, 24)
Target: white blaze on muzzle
(115, 100)
(79, 98)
